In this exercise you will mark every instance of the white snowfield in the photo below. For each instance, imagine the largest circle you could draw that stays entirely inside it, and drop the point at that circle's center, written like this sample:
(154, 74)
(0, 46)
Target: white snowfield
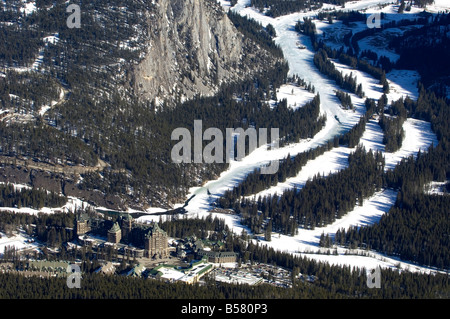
(295, 96)
(328, 163)
(17, 241)
(436, 188)
(72, 205)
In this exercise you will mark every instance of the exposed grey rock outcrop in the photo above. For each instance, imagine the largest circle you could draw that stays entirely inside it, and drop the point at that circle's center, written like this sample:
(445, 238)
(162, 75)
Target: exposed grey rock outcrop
(193, 49)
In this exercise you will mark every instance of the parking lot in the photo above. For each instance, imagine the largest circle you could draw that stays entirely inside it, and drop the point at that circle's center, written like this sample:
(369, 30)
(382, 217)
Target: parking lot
(254, 275)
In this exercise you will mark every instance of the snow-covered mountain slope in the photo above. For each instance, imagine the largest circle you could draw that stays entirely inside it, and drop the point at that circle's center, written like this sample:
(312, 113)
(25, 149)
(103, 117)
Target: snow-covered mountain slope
(419, 136)
(93, 92)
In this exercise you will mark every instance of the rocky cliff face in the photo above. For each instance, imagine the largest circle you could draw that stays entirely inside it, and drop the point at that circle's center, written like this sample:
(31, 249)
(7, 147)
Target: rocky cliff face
(193, 49)
(156, 50)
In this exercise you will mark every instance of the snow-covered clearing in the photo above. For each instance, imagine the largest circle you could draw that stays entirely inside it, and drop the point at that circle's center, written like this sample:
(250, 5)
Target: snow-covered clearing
(402, 83)
(439, 6)
(418, 136)
(295, 96)
(328, 163)
(28, 7)
(372, 138)
(19, 241)
(437, 188)
(72, 205)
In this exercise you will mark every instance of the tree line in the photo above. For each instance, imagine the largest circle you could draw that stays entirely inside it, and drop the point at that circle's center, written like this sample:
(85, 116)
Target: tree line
(412, 230)
(310, 278)
(319, 202)
(255, 182)
(96, 121)
(35, 198)
(347, 82)
(416, 226)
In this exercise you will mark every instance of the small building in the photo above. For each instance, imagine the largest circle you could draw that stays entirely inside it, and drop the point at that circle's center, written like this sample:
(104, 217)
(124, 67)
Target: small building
(218, 257)
(107, 269)
(137, 271)
(133, 252)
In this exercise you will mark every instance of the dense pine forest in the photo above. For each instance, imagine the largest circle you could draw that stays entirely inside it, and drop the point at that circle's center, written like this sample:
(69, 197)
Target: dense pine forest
(35, 198)
(95, 121)
(321, 200)
(281, 213)
(89, 125)
(44, 144)
(311, 279)
(397, 234)
(333, 282)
